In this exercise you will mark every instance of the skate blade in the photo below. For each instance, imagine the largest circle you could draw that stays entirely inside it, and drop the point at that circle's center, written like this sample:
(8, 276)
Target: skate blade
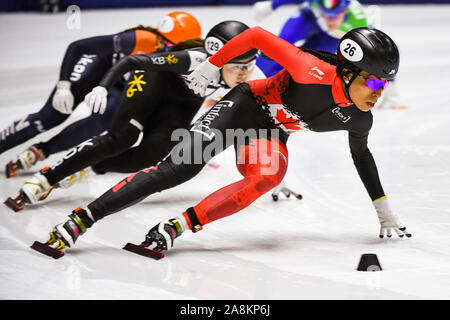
(47, 250)
(11, 169)
(14, 204)
(143, 251)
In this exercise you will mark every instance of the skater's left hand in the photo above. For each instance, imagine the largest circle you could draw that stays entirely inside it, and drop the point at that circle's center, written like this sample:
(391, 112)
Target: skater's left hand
(389, 220)
(96, 99)
(206, 73)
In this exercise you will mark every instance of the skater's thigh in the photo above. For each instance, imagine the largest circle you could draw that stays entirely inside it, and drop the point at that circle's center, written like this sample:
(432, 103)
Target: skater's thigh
(47, 117)
(154, 146)
(215, 130)
(236, 111)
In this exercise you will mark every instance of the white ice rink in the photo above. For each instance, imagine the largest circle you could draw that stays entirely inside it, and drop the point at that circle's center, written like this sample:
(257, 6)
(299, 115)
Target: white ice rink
(290, 249)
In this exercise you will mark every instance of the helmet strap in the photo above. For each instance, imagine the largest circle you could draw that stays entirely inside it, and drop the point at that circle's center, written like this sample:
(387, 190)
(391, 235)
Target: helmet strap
(348, 82)
(162, 42)
(222, 80)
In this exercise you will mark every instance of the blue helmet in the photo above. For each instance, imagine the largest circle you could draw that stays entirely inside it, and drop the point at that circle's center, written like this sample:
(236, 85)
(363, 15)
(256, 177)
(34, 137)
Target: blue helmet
(331, 8)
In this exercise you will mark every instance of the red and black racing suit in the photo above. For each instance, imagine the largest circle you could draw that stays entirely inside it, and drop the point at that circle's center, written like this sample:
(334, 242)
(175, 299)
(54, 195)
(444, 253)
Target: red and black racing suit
(307, 94)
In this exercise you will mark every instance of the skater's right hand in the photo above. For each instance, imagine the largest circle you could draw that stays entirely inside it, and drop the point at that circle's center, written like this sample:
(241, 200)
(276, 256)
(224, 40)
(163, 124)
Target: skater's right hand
(206, 73)
(96, 99)
(63, 97)
(261, 10)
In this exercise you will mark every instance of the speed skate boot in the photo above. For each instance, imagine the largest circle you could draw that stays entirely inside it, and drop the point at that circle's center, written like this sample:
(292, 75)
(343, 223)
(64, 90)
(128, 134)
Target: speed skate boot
(159, 238)
(24, 161)
(38, 188)
(34, 190)
(65, 234)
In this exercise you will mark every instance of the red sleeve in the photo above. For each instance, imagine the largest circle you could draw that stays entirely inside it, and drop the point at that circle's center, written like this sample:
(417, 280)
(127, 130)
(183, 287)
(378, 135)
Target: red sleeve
(283, 52)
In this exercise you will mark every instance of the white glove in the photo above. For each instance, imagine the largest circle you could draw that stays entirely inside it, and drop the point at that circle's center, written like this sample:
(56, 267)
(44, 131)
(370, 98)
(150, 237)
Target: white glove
(206, 73)
(388, 220)
(96, 99)
(63, 97)
(261, 10)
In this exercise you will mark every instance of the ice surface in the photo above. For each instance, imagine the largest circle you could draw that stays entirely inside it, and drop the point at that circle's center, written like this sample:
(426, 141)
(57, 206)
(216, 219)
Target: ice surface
(290, 249)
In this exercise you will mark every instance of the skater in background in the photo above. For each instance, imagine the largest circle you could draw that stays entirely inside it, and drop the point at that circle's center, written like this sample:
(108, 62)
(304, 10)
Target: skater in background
(85, 62)
(155, 103)
(295, 99)
(319, 25)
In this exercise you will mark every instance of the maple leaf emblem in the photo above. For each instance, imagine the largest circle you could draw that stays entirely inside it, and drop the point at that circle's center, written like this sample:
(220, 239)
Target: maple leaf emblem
(289, 122)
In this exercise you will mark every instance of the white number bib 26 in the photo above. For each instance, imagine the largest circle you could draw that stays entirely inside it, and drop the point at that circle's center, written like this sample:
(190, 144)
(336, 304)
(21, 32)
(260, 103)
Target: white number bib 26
(351, 50)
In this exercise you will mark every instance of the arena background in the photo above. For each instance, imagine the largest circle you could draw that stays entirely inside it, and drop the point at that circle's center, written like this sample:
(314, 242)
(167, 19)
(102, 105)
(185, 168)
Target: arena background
(36, 5)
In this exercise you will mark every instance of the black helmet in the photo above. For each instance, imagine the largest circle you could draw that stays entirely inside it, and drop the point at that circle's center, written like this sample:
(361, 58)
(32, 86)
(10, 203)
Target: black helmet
(223, 32)
(370, 50)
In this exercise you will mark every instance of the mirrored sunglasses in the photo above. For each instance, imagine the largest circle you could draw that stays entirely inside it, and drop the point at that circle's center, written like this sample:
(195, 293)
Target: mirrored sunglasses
(375, 84)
